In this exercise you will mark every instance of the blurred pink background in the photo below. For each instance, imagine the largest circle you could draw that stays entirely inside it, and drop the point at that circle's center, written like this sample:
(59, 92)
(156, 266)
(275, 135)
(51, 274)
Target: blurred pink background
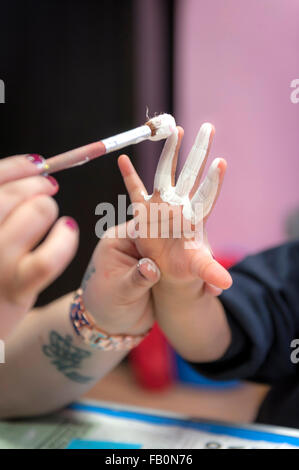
(235, 60)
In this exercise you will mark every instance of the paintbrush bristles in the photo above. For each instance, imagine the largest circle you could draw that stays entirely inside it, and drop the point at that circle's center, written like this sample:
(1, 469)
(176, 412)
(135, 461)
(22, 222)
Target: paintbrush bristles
(161, 126)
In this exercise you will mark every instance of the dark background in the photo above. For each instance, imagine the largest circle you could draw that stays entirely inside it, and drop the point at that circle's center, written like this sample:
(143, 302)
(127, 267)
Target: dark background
(68, 68)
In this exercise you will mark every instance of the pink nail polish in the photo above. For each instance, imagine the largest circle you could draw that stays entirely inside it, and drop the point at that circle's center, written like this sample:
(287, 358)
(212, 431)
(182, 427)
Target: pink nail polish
(71, 223)
(52, 180)
(37, 160)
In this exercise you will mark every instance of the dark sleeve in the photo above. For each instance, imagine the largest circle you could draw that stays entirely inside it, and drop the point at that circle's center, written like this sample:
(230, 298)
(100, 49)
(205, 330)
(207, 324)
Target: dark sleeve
(262, 309)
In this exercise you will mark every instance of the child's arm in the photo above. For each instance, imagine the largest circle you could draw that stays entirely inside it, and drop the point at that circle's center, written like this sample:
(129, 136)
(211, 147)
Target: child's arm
(193, 320)
(262, 308)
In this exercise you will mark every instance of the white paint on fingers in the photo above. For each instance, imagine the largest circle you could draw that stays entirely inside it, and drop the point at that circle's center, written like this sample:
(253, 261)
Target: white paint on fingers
(194, 160)
(196, 209)
(163, 173)
(207, 191)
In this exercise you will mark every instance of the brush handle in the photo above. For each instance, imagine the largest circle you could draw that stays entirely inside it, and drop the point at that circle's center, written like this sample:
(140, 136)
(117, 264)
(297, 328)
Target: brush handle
(88, 152)
(75, 157)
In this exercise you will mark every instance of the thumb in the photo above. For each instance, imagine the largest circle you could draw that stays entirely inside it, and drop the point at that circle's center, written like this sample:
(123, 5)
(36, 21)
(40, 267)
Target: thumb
(141, 277)
(204, 266)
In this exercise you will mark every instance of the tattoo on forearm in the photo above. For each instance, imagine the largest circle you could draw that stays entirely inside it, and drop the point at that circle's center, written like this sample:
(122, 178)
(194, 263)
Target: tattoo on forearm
(66, 357)
(89, 272)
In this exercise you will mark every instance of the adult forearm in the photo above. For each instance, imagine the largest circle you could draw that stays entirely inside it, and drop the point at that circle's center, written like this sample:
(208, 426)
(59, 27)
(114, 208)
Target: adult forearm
(193, 321)
(47, 365)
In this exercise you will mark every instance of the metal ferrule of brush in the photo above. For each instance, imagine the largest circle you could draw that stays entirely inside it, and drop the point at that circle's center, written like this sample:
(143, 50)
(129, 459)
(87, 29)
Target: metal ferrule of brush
(131, 137)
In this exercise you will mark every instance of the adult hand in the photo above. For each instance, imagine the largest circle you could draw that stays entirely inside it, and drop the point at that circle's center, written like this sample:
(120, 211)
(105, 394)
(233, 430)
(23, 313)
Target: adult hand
(27, 212)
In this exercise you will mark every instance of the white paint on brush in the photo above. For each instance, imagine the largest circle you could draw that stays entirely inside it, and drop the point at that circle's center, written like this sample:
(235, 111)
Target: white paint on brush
(134, 136)
(164, 124)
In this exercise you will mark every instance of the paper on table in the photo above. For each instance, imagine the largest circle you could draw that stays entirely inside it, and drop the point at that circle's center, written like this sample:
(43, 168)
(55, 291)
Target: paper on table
(99, 425)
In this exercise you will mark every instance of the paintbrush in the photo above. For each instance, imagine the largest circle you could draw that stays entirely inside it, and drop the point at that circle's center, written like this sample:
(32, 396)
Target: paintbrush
(157, 128)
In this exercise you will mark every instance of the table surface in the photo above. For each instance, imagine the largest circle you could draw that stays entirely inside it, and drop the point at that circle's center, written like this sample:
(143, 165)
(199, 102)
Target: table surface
(121, 387)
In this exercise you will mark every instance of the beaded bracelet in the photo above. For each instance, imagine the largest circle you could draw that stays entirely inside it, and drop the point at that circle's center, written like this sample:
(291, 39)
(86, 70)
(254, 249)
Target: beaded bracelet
(86, 327)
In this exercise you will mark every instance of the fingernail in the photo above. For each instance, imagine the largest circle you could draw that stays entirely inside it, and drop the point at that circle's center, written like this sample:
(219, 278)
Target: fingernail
(145, 266)
(217, 290)
(71, 223)
(37, 160)
(52, 180)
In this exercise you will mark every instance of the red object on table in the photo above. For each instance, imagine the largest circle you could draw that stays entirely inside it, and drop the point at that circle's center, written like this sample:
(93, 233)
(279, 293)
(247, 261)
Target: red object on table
(153, 361)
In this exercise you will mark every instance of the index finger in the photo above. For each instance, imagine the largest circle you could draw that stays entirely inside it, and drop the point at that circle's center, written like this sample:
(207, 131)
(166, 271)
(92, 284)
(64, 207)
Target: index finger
(133, 183)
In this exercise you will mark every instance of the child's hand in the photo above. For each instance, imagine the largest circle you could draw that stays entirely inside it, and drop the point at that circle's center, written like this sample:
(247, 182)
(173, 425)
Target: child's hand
(192, 319)
(176, 263)
(117, 286)
(27, 212)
